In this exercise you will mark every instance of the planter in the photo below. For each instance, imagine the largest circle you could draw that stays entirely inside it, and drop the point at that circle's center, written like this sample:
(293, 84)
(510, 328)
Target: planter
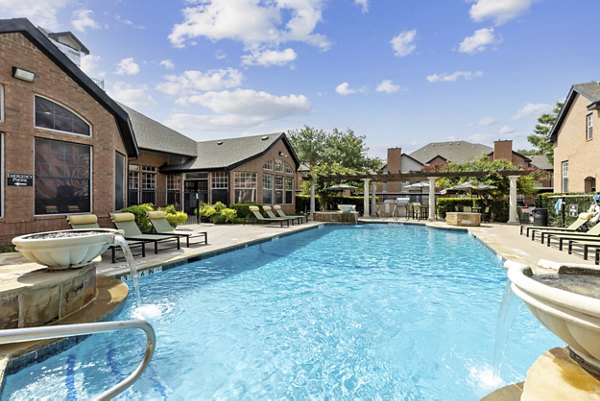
(65, 249)
(566, 303)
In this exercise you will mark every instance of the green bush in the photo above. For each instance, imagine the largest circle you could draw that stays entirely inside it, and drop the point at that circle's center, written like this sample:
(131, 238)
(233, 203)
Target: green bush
(548, 200)
(207, 210)
(499, 210)
(139, 211)
(219, 206)
(217, 219)
(243, 209)
(229, 214)
(445, 205)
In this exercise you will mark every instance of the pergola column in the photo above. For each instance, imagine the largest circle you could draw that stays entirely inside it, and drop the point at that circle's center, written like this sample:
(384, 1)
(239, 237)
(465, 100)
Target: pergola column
(432, 198)
(373, 195)
(313, 186)
(366, 197)
(512, 206)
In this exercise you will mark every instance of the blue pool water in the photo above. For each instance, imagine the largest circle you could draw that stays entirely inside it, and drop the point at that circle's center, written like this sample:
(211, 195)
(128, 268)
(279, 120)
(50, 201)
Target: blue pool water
(367, 312)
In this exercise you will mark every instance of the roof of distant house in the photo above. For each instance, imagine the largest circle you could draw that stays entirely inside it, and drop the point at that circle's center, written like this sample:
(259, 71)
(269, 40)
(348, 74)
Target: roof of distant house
(43, 43)
(589, 90)
(453, 151)
(152, 135)
(541, 162)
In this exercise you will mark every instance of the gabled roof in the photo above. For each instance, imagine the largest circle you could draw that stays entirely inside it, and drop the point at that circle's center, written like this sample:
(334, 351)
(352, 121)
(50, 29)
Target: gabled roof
(152, 135)
(43, 43)
(541, 162)
(589, 90)
(231, 152)
(65, 37)
(453, 151)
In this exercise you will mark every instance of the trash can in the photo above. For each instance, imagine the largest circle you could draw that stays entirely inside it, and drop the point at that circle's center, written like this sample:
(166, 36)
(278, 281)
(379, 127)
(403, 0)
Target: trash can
(540, 216)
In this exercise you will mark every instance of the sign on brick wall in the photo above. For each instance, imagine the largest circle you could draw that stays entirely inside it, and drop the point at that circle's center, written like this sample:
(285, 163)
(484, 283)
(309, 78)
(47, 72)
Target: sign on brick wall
(19, 180)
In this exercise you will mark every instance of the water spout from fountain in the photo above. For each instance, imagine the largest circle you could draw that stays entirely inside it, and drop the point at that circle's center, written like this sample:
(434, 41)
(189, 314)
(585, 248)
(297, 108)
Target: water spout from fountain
(506, 316)
(122, 242)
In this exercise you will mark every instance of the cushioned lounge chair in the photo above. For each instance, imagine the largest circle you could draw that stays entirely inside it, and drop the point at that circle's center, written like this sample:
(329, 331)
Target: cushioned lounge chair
(79, 221)
(593, 234)
(161, 225)
(279, 211)
(575, 226)
(269, 211)
(126, 222)
(262, 219)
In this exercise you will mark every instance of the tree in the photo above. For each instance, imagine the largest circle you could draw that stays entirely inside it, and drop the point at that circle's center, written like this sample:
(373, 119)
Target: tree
(539, 139)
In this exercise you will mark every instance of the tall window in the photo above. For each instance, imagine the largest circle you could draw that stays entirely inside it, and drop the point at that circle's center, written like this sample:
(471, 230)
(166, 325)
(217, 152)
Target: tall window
(62, 177)
(51, 115)
(134, 185)
(119, 181)
(289, 190)
(174, 190)
(244, 187)
(268, 165)
(589, 124)
(1, 174)
(279, 166)
(267, 189)
(565, 176)
(278, 189)
(589, 184)
(288, 169)
(220, 187)
(149, 184)
(1, 103)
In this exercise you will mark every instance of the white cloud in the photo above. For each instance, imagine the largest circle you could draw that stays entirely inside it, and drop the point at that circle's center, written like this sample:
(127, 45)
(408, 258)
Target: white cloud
(135, 96)
(532, 110)
(89, 65)
(40, 12)
(82, 20)
(344, 89)
(387, 86)
(364, 5)
(220, 54)
(241, 108)
(478, 42)
(505, 129)
(257, 24)
(269, 57)
(191, 82)
(500, 11)
(127, 66)
(455, 76)
(487, 121)
(168, 64)
(403, 43)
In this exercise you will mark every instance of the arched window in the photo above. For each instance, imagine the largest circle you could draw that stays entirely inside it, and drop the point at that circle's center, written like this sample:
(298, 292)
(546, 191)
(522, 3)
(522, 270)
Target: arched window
(589, 184)
(51, 115)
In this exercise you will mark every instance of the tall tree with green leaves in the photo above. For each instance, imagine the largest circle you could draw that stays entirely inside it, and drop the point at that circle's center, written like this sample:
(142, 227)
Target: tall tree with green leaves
(539, 139)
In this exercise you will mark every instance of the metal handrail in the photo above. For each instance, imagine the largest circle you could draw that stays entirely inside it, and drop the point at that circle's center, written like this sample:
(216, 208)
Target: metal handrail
(10, 336)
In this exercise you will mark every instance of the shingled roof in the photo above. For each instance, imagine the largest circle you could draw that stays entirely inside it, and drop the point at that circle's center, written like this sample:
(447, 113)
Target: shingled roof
(589, 90)
(452, 151)
(43, 43)
(152, 135)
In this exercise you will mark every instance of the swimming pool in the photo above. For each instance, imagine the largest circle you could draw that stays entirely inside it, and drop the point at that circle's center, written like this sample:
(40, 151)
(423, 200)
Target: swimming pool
(354, 312)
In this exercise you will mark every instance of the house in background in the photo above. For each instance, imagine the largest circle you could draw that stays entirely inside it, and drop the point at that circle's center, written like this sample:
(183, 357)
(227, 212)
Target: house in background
(575, 148)
(66, 147)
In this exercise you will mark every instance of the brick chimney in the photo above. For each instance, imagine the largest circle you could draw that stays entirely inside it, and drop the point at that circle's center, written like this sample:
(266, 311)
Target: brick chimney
(503, 150)
(394, 166)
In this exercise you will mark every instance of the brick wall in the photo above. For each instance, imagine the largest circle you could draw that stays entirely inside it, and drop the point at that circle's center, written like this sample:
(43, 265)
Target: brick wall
(19, 135)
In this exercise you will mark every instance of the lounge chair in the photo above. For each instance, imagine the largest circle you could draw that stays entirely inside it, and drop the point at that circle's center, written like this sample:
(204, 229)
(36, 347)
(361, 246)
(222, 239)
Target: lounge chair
(262, 219)
(269, 211)
(592, 234)
(78, 221)
(585, 245)
(126, 222)
(161, 225)
(575, 226)
(280, 213)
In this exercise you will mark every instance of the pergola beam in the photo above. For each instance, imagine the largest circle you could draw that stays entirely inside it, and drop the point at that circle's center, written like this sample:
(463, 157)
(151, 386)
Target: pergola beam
(415, 176)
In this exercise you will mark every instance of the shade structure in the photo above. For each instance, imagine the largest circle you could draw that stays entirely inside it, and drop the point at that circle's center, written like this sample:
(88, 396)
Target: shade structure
(341, 187)
(468, 187)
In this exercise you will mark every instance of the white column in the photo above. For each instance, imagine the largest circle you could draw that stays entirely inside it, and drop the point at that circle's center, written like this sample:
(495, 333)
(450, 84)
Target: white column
(373, 195)
(432, 198)
(512, 207)
(366, 197)
(312, 200)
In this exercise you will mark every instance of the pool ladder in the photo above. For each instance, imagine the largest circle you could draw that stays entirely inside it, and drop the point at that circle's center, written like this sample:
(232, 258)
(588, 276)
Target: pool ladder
(11, 336)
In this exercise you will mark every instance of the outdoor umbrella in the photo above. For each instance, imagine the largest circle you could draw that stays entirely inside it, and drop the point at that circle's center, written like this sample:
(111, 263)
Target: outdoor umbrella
(340, 187)
(468, 187)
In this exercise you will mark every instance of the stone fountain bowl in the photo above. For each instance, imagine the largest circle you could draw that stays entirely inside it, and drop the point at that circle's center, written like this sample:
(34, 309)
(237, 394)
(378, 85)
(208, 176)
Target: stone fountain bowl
(346, 208)
(567, 303)
(65, 249)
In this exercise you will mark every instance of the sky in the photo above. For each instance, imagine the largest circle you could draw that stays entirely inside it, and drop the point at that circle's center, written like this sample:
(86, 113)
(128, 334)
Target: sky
(403, 73)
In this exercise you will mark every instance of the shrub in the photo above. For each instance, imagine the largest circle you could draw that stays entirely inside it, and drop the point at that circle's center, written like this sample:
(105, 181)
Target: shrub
(139, 211)
(229, 214)
(218, 219)
(243, 209)
(207, 210)
(174, 216)
(219, 206)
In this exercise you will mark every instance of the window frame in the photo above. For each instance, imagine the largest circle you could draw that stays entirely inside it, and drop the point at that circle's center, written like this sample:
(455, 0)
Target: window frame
(2, 174)
(91, 134)
(589, 127)
(268, 183)
(124, 181)
(1, 103)
(249, 179)
(564, 176)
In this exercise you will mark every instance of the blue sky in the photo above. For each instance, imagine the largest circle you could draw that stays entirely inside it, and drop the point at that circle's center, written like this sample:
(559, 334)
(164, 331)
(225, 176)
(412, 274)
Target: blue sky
(401, 72)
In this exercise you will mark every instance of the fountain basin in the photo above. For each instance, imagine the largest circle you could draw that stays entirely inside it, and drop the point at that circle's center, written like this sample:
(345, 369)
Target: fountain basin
(347, 208)
(572, 312)
(65, 249)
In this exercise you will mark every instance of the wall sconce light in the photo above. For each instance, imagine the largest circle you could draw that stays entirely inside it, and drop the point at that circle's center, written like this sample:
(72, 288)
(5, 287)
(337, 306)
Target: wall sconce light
(23, 75)
(281, 154)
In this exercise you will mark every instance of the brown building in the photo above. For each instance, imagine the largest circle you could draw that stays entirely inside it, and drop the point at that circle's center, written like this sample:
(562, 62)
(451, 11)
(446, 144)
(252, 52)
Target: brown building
(66, 147)
(575, 148)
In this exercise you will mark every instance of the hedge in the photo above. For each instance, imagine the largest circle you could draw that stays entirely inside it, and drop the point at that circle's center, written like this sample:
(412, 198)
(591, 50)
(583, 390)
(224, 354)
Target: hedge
(548, 200)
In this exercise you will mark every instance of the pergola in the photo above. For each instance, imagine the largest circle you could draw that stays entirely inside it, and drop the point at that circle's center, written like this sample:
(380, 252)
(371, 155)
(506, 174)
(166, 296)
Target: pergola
(372, 178)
